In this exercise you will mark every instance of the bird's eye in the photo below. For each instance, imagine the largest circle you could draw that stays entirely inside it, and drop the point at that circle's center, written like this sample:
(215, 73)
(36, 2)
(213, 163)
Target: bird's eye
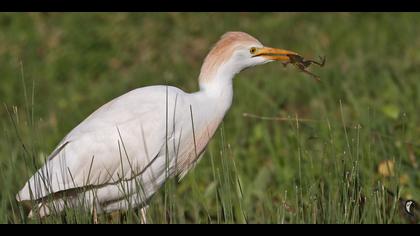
(253, 50)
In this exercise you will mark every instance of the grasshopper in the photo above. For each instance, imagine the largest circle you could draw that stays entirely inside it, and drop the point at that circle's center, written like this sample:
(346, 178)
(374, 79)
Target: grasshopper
(302, 64)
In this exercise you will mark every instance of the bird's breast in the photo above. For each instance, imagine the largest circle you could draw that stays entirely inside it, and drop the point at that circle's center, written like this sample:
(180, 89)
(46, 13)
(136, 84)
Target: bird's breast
(194, 146)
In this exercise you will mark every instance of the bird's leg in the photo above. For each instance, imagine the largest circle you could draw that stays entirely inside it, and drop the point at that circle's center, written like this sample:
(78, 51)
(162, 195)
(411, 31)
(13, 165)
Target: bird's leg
(143, 218)
(94, 215)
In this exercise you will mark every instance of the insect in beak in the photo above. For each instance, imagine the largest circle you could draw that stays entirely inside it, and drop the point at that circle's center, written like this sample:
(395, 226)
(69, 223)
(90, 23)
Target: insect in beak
(302, 64)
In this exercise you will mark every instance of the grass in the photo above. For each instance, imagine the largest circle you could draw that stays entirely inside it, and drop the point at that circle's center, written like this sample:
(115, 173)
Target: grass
(290, 150)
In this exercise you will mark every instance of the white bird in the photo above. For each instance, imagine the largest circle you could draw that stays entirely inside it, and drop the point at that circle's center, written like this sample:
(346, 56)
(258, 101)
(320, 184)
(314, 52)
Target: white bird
(120, 155)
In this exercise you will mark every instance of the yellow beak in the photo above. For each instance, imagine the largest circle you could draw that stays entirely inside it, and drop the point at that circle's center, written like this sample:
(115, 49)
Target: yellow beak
(276, 54)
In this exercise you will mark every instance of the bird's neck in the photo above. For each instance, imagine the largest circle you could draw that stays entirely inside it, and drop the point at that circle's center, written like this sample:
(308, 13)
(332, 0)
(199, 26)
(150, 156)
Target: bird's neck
(218, 84)
(218, 88)
(216, 81)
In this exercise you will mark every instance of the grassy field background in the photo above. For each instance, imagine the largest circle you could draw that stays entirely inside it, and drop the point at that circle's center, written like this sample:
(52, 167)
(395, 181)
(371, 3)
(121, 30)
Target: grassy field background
(315, 160)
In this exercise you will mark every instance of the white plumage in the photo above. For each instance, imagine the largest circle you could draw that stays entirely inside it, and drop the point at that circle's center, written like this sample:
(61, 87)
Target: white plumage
(120, 155)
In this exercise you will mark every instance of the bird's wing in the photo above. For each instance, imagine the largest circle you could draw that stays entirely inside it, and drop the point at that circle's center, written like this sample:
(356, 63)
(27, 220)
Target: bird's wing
(117, 141)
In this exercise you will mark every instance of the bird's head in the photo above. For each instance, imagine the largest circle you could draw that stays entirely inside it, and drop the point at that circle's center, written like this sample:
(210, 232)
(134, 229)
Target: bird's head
(236, 51)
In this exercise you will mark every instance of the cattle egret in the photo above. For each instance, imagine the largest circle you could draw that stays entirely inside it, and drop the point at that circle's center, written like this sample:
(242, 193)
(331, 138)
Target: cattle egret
(120, 155)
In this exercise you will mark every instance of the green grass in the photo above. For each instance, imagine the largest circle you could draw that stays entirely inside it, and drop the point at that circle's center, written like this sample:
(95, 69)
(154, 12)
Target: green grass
(55, 69)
